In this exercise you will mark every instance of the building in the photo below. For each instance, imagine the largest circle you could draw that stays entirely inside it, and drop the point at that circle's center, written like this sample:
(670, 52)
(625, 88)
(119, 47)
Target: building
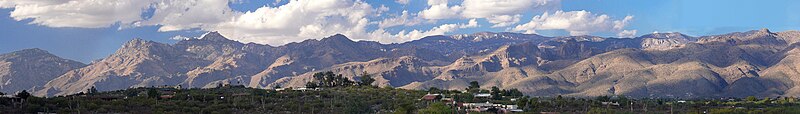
(483, 95)
(448, 101)
(299, 89)
(491, 107)
(166, 96)
(610, 103)
(432, 97)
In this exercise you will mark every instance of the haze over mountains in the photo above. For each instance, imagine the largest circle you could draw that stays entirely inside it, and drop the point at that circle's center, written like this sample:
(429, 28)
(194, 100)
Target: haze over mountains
(758, 62)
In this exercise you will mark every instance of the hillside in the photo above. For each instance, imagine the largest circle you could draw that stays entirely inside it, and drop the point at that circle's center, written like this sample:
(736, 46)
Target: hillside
(30, 68)
(752, 63)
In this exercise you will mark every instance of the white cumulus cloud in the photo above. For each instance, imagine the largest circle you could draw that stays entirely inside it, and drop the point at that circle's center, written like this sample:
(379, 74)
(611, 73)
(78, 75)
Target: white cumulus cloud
(441, 11)
(77, 13)
(402, 1)
(403, 36)
(503, 20)
(489, 8)
(626, 33)
(298, 20)
(187, 14)
(501, 13)
(404, 18)
(574, 22)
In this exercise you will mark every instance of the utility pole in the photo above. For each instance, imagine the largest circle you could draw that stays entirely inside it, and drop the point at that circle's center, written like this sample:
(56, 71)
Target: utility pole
(645, 107)
(670, 108)
(631, 106)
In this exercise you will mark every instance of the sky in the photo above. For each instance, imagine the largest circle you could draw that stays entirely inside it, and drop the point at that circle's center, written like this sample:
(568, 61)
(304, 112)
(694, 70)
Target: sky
(86, 30)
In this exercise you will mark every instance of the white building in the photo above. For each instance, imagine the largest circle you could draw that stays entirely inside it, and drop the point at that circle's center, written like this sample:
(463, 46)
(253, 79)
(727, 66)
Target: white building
(483, 95)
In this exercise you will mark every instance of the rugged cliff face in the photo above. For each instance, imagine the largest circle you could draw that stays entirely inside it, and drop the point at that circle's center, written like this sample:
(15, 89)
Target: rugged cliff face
(756, 62)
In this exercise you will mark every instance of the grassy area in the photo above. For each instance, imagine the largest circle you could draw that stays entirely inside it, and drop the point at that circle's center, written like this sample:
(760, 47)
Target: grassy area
(231, 99)
(363, 99)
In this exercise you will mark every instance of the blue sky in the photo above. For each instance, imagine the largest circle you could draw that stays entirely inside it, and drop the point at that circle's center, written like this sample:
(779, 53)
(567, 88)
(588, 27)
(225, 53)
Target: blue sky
(84, 35)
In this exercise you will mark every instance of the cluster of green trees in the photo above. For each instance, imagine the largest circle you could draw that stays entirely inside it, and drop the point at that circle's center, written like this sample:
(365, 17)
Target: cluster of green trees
(229, 99)
(498, 94)
(329, 79)
(22, 94)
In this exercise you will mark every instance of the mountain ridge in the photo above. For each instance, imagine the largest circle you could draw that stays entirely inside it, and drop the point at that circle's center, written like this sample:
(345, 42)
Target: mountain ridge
(30, 68)
(755, 63)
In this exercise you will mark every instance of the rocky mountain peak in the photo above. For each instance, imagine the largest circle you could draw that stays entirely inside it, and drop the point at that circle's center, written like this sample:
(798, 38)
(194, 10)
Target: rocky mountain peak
(482, 36)
(758, 33)
(764, 30)
(213, 36)
(135, 42)
(137, 46)
(337, 38)
(671, 35)
(31, 51)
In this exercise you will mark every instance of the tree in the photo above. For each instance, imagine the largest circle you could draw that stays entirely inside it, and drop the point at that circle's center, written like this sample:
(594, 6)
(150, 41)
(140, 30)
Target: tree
(311, 84)
(496, 93)
(513, 92)
(560, 101)
(277, 86)
(329, 79)
(751, 98)
(92, 90)
(152, 93)
(474, 85)
(1, 93)
(23, 94)
(434, 90)
(366, 79)
(602, 98)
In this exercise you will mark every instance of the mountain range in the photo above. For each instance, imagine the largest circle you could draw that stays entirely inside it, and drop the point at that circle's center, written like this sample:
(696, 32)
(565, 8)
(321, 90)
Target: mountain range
(753, 63)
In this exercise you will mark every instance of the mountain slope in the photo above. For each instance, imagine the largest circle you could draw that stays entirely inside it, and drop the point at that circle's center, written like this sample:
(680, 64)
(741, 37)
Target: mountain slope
(28, 68)
(758, 62)
(138, 63)
(230, 61)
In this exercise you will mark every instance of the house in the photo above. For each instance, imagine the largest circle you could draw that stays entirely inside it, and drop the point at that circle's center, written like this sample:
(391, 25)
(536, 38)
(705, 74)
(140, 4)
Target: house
(491, 107)
(166, 96)
(307, 89)
(510, 107)
(610, 103)
(478, 107)
(483, 95)
(432, 97)
(448, 101)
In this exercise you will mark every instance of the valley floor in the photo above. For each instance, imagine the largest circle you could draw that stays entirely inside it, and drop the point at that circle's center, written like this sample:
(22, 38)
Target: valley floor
(366, 99)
